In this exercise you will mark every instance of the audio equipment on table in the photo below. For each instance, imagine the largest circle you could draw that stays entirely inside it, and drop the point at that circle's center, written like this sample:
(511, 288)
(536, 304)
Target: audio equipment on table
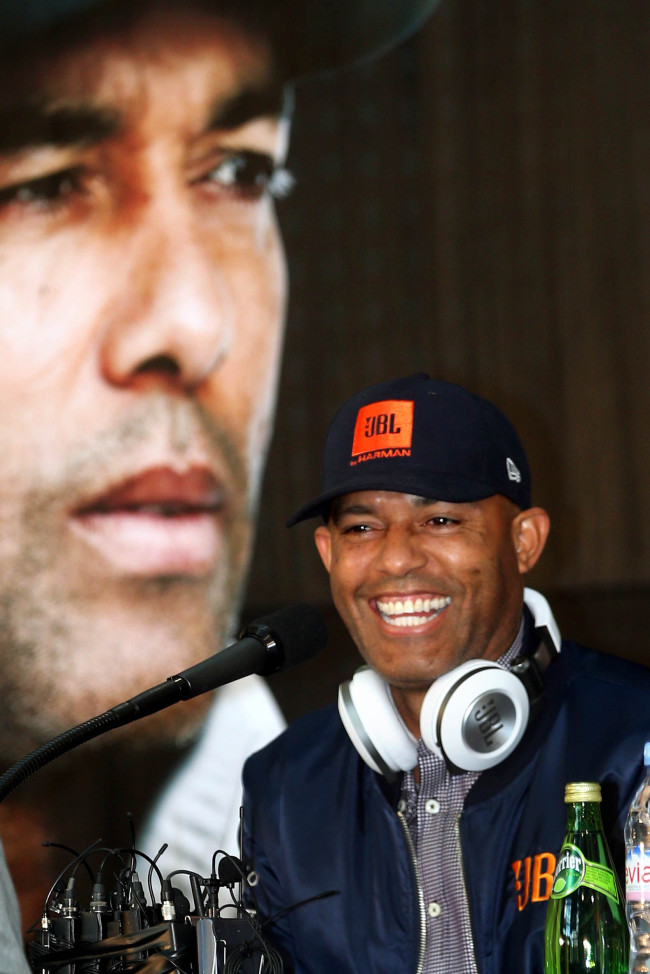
(116, 926)
(122, 928)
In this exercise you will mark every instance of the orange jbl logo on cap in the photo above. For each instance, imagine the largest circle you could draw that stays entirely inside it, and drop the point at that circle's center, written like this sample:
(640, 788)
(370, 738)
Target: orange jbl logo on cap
(386, 425)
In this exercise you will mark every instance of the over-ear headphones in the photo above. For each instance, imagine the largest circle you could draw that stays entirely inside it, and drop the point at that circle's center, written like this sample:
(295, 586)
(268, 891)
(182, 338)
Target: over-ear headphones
(473, 717)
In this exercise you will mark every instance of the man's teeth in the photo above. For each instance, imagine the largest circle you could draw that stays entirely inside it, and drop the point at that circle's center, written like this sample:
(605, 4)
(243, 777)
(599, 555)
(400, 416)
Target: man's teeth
(411, 612)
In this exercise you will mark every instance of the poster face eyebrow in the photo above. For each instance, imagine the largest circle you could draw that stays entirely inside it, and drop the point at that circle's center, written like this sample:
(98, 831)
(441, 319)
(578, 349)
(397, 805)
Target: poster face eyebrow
(36, 122)
(271, 101)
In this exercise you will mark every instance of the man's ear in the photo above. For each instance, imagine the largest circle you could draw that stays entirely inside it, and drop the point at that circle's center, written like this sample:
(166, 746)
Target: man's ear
(529, 531)
(323, 540)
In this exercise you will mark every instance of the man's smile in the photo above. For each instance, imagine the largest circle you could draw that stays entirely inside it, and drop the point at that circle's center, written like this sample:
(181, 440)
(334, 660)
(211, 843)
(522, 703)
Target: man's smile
(413, 610)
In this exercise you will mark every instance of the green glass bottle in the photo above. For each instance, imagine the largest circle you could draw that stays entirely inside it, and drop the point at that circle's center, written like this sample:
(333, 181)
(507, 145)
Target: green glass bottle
(586, 929)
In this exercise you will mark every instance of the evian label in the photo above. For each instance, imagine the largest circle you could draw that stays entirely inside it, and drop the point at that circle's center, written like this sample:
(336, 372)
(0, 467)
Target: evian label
(637, 874)
(573, 870)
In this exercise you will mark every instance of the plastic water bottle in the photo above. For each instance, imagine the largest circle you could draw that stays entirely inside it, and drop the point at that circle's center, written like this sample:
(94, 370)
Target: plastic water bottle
(637, 873)
(585, 920)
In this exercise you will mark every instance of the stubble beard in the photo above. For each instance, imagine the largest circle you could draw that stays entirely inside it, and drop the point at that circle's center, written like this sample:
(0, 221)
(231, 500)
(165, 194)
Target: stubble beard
(72, 644)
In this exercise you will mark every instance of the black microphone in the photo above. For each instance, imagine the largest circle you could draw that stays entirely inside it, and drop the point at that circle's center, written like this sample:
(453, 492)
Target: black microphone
(231, 871)
(271, 644)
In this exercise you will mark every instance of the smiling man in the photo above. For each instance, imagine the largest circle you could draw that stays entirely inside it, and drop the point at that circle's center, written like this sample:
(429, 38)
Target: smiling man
(436, 790)
(142, 298)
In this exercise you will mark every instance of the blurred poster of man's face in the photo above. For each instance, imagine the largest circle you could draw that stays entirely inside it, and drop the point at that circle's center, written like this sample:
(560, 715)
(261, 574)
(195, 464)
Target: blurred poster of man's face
(142, 291)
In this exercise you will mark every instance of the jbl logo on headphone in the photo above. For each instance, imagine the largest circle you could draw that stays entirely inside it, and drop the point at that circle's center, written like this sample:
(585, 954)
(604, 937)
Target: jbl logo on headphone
(473, 717)
(487, 723)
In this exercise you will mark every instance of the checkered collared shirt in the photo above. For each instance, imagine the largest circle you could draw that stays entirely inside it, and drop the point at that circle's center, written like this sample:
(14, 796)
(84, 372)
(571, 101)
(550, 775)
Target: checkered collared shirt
(432, 810)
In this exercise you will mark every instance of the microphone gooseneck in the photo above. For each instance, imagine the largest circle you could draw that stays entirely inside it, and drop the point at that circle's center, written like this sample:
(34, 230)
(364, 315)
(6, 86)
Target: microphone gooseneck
(271, 644)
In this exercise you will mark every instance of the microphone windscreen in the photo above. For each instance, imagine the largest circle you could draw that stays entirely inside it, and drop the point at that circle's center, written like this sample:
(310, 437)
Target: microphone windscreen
(299, 630)
(231, 870)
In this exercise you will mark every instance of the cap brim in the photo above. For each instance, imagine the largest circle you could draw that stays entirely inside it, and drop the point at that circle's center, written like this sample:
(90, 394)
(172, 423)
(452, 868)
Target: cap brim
(309, 36)
(454, 490)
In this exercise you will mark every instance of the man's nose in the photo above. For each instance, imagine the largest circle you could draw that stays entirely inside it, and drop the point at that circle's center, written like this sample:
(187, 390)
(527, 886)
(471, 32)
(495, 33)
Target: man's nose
(401, 551)
(172, 321)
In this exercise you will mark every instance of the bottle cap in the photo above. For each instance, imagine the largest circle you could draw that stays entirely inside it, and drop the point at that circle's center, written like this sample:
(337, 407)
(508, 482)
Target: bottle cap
(582, 791)
(646, 753)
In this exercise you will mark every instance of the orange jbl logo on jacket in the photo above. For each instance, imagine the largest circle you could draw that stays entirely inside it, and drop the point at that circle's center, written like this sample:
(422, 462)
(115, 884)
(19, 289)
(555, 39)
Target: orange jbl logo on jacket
(533, 878)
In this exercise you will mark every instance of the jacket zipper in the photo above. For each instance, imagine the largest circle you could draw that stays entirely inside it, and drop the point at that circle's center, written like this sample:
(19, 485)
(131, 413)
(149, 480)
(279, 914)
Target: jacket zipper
(420, 891)
(462, 876)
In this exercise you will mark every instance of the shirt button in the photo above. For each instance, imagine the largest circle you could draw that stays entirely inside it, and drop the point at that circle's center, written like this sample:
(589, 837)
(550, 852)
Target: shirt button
(434, 910)
(432, 806)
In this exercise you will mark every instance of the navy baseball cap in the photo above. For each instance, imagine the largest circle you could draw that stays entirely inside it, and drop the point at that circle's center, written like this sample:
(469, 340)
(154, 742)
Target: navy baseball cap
(309, 36)
(421, 436)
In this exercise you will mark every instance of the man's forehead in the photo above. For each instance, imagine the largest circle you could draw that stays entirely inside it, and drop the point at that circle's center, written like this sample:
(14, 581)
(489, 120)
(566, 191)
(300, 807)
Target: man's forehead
(164, 34)
(365, 500)
(309, 36)
(86, 19)
(75, 91)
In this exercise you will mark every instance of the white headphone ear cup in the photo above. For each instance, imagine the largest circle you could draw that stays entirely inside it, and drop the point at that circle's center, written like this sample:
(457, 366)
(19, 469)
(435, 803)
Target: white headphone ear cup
(371, 719)
(475, 715)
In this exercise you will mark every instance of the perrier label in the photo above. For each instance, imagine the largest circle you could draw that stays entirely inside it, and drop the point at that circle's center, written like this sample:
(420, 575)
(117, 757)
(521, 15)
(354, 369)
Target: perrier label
(573, 870)
(585, 920)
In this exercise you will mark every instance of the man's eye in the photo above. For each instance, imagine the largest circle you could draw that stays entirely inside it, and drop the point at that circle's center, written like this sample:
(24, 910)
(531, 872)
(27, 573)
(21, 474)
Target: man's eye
(440, 521)
(46, 191)
(357, 529)
(251, 174)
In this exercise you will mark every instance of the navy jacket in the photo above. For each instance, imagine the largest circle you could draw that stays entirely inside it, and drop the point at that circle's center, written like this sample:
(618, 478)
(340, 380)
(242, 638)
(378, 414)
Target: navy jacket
(318, 819)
